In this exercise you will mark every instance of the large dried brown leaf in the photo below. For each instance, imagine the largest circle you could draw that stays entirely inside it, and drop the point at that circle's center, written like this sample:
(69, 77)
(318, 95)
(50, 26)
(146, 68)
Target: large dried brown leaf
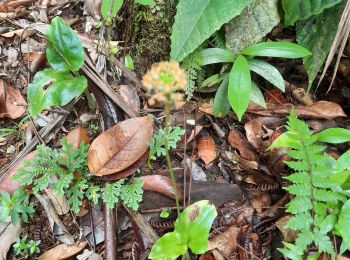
(62, 251)
(206, 149)
(8, 235)
(320, 109)
(6, 182)
(12, 103)
(237, 141)
(120, 146)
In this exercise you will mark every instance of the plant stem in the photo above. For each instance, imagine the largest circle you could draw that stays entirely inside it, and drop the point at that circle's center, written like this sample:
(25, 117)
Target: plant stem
(167, 155)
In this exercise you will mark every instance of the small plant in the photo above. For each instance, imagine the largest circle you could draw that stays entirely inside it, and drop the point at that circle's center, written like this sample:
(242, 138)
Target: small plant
(320, 205)
(238, 89)
(25, 248)
(59, 85)
(191, 232)
(157, 145)
(16, 206)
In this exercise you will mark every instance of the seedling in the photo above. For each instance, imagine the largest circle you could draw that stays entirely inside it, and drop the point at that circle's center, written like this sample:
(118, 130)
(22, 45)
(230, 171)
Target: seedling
(25, 248)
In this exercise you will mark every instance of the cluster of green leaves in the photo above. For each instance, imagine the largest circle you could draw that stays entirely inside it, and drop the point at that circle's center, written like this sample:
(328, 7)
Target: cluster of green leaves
(239, 89)
(57, 86)
(320, 186)
(191, 231)
(25, 248)
(157, 144)
(16, 206)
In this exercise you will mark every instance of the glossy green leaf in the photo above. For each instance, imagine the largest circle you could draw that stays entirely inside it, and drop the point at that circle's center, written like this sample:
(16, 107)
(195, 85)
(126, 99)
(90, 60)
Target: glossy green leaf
(110, 8)
(62, 88)
(256, 96)
(344, 223)
(302, 9)
(64, 50)
(129, 62)
(169, 246)
(239, 87)
(216, 55)
(268, 72)
(317, 35)
(252, 25)
(221, 102)
(196, 21)
(211, 81)
(145, 2)
(277, 50)
(334, 135)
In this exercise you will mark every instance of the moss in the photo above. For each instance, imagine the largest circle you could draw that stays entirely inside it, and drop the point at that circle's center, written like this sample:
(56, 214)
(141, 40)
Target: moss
(150, 39)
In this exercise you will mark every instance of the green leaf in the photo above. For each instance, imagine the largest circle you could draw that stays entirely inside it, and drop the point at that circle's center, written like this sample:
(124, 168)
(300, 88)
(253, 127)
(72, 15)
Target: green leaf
(216, 55)
(194, 224)
(63, 88)
(255, 21)
(221, 102)
(327, 224)
(317, 35)
(196, 21)
(239, 87)
(343, 162)
(129, 62)
(277, 50)
(256, 96)
(110, 8)
(268, 72)
(344, 223)
(146, 2)
(64, 50)
(302, 9)
(164, 214)
(284, 140)
(334, 135)
(169, 246)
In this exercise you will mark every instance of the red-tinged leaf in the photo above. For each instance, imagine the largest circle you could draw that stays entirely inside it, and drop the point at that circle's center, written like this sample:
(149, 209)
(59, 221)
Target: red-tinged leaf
(62, 251)
(120, 146)
(237, 141)
(161, 184)
(12, 103)
(6, 182)
(76, 136)
(206, 149)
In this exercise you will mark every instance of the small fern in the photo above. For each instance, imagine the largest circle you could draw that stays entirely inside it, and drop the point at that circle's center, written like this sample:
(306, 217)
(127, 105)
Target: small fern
(316, 189)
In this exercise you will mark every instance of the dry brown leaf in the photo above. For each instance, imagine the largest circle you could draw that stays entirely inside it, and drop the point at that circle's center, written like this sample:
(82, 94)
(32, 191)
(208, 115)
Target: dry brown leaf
(63, 251)
(10, 101)
(161, 184)
(8, 235)
(289, 235)
(261, 201)
(6, 182)
(207, 107)
(302, 96)
(76, 136)
(225, 242)
(120, 146)
(130, 96)
(206, 149)
(194, 133)
(93, 8)
(237, 141)
(12, 5)
(275, 96)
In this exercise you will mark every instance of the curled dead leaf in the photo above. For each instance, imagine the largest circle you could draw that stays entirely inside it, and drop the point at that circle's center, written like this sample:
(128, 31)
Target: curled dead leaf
(12, 103)
(76, 136)
(161, 184)
(12, 5)
(120, 146)
(63, 251)
(8, 235)
(237, 141)
(225, 242)
(206, 149)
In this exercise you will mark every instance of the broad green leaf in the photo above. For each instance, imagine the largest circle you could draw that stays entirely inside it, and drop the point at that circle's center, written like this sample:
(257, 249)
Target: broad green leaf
(317, 35)
(277, 50)
(327, 224)
(62, 88)
(255, 21)
(194, 224)
(256, 96)
(197, 20)
(302, 9)
(211, 81)
(343, 162)
(221, 101)
(110, 8)
(129, 62)
(146, 2)
(216, 55)
(268, 72)
(64, 50)
(239, 87)
(334, 135)
(284, 140)
(170, 246)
